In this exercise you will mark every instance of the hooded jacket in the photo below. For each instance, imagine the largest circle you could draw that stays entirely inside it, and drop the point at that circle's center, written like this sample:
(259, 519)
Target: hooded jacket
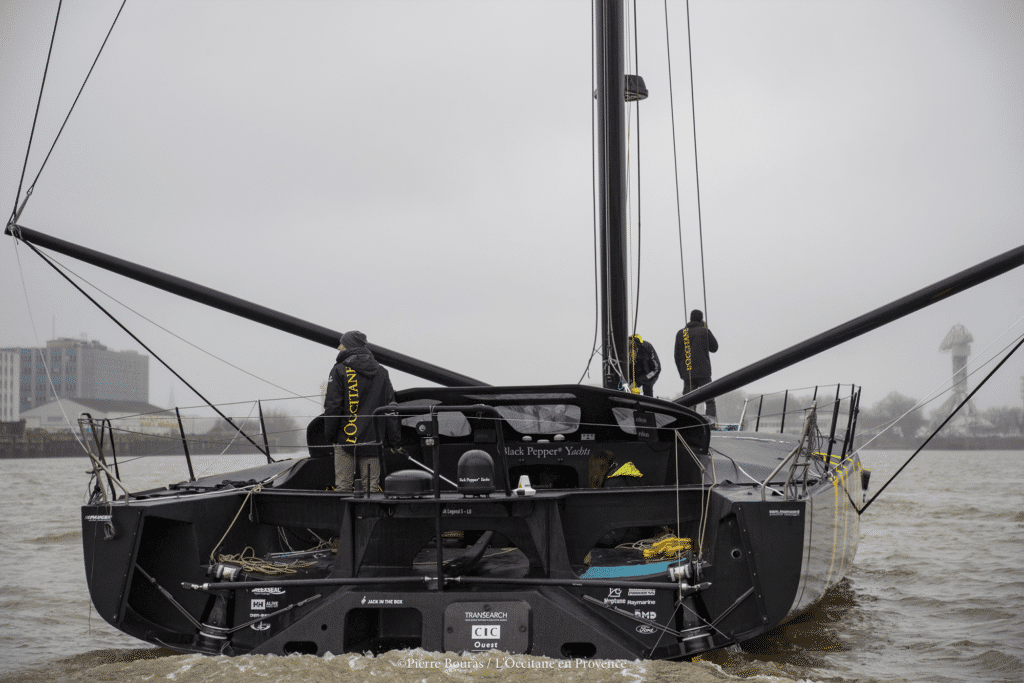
(693, 344)
(647, 365)
(357, 386)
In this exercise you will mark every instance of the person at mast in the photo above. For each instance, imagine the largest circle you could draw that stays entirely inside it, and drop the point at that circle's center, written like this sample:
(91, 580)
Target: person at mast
(644, 366)
(694, 343)
(357, 386)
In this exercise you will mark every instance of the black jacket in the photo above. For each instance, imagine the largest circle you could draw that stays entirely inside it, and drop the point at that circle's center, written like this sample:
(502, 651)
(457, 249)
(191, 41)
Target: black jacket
(693, 344)
(648, 367)
(357, 386)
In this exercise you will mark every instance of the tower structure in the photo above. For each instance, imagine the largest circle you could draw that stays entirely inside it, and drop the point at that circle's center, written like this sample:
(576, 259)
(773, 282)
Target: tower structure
(958, 343)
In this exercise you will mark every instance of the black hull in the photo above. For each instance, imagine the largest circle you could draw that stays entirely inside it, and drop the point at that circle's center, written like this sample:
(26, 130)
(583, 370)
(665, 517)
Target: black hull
(766, 561)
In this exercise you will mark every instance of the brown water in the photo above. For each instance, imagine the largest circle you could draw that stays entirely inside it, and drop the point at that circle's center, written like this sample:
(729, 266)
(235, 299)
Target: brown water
(936, 593)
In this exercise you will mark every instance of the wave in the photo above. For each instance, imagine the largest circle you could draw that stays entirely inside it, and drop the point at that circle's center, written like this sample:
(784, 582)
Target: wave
(60, 537)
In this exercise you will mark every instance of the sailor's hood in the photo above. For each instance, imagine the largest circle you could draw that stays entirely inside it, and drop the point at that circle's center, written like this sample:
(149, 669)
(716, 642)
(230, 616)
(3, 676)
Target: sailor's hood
(360, 360)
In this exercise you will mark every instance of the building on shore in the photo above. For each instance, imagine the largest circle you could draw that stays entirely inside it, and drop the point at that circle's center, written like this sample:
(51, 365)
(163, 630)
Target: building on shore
(71, 368)
(125, 416)
(10, 385)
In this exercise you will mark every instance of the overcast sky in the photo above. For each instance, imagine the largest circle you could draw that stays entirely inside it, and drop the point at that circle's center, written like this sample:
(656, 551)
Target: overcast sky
(421, 171)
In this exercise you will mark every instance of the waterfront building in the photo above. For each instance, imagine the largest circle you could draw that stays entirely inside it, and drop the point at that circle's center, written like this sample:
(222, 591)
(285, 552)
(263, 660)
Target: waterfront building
(10, 385)
(80, 369)
(125, 416)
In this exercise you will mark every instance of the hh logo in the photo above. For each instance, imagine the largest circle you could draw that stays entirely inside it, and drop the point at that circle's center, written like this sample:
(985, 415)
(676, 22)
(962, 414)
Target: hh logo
(259, 603)
(486, 632)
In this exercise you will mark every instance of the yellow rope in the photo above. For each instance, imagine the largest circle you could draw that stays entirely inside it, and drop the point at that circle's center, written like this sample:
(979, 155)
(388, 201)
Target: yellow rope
(668, 546)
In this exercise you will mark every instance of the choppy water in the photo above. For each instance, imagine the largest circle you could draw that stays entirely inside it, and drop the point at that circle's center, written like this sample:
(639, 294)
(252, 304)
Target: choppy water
(936, 594)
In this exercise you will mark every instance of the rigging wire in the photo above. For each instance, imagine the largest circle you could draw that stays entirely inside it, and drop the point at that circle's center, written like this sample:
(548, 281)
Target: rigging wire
(179, 337)
(675, 156)
(944, 422)
(696, 164)
(16, 212)
(42, 356)
(141, 343)
(593, 197)
(31, 188)
(636, 70)
(937, 394)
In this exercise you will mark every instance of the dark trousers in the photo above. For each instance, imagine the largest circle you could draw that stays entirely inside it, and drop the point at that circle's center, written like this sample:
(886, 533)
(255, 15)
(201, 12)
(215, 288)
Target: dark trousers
(710, 410)
(648, 389)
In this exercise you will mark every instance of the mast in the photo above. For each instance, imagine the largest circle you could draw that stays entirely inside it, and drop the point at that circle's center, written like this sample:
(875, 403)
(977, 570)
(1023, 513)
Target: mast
(611, 108)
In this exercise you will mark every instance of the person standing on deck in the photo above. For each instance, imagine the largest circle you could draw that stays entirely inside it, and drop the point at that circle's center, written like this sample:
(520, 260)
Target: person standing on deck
(693, 344)
(357, 386)
(644, 366)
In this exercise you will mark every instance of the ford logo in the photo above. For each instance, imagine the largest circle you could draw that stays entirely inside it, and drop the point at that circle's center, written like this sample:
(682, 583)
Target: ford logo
(646, 630)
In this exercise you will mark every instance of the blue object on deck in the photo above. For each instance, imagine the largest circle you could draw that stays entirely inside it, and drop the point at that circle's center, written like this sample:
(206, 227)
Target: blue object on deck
(626, 570)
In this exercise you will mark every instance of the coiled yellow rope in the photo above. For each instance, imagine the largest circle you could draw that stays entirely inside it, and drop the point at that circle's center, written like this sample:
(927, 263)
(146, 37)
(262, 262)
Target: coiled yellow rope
(660, 547)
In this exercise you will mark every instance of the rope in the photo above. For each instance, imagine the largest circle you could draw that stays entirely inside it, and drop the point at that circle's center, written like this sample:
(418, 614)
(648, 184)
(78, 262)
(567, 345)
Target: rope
(31, 187)
(659, 547)
(937, 429)
(639, 201)
(256, 565)
(675, 156)
(705, 494)
(141, 343)
(696, 164)
(593, 202)
(925, 401)
(254, 489)
(16, 212)
(178, 337)
(42, 356)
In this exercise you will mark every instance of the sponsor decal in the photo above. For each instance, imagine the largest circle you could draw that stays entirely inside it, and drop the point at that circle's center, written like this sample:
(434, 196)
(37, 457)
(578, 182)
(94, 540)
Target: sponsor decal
(262, 604)
(351, 427)
(486, 631)
(784, 512)
(640, 591)
(98, 518)
(614, 592)
(687, 353)
(501, 616)
(457, 511)
(260, 626)
(268, 591)
(645, 629)
(546, 451)
(381, 601)
(645, 615)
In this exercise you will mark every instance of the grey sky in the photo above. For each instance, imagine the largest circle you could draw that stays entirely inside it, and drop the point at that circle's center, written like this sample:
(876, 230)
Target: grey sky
(421, 171)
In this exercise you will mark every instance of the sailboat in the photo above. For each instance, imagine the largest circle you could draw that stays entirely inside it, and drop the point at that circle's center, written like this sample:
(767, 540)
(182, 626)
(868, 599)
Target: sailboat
(559, 520)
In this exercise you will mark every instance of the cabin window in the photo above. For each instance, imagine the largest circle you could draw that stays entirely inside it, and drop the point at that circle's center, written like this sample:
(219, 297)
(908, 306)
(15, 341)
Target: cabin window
(557, 418)
(452, 424)
(624, 417)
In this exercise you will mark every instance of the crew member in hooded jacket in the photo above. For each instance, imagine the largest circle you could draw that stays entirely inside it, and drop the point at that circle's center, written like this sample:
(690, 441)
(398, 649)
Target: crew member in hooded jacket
(644, 365)
(694, 343)
(357, 386)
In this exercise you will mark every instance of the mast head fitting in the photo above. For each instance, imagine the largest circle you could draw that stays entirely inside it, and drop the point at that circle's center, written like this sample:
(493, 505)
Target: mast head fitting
(636, 89)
